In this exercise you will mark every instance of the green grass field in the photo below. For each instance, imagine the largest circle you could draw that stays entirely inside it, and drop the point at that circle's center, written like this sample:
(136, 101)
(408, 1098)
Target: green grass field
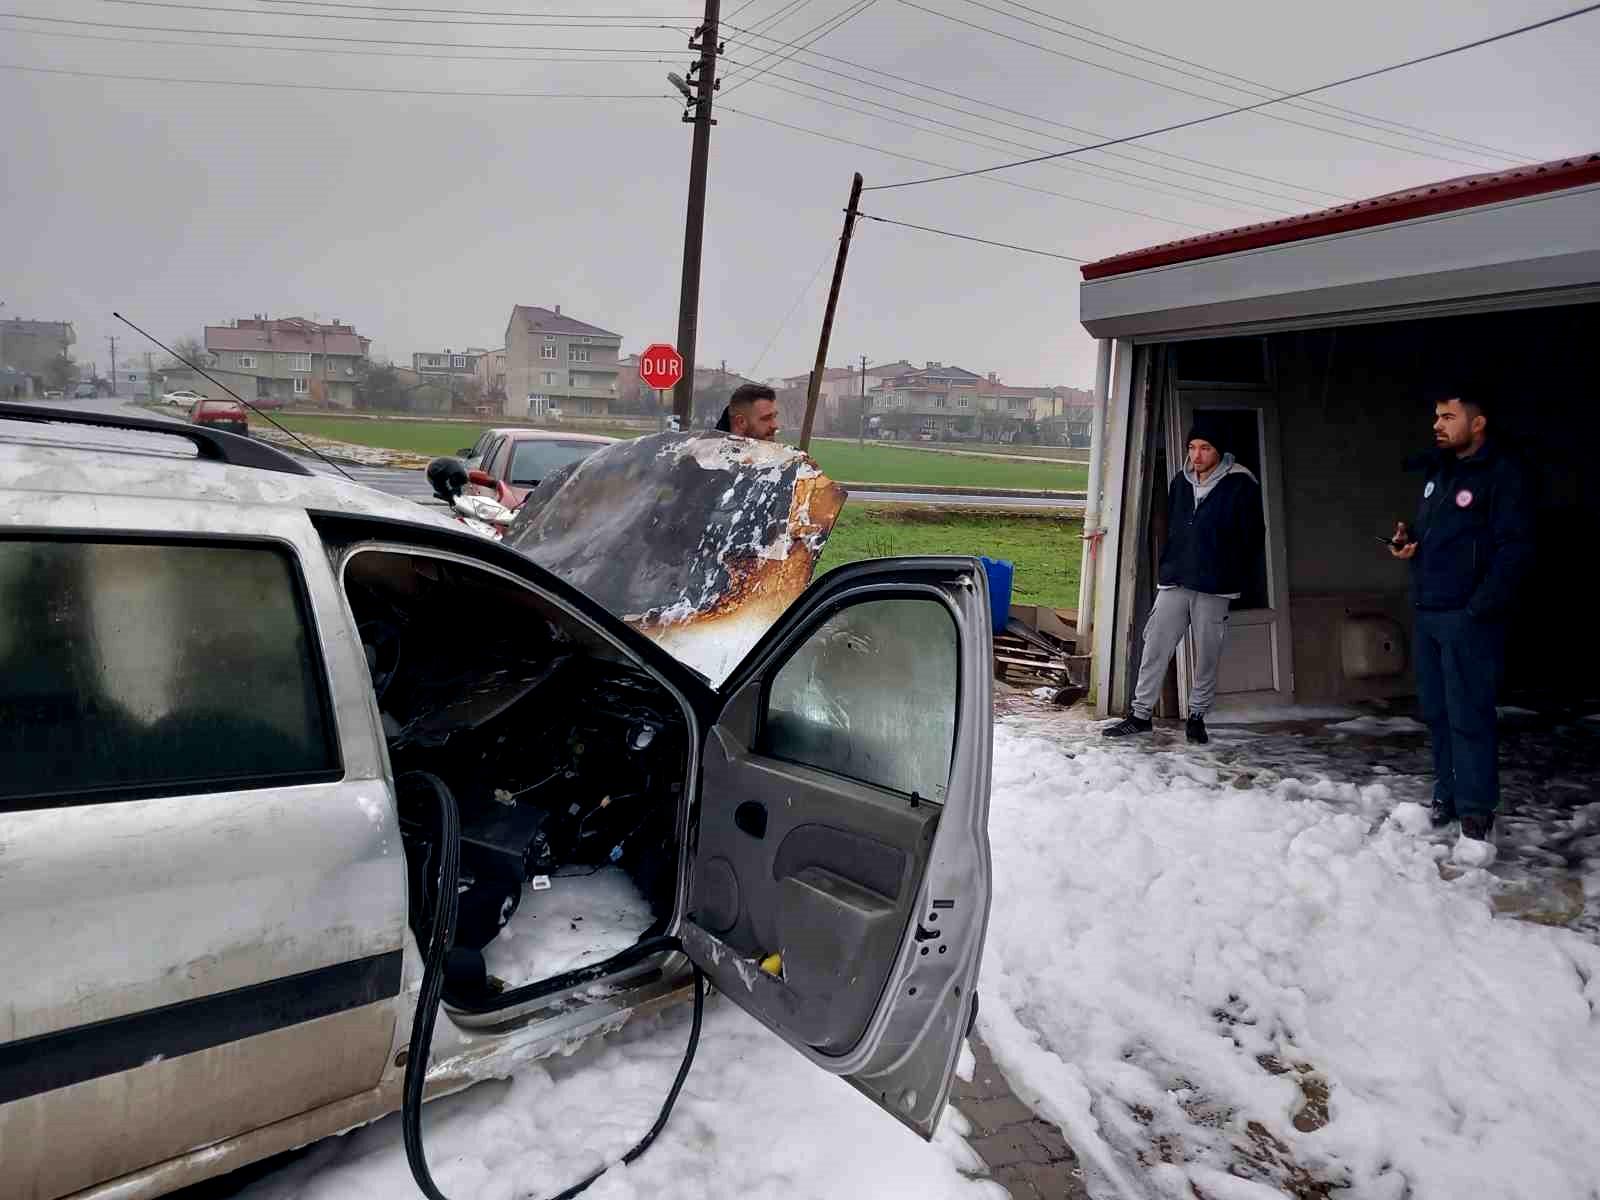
(1045, 551)
(839, 460)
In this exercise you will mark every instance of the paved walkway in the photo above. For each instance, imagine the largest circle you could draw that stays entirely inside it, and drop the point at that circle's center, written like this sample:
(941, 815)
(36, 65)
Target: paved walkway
(1024, 1153)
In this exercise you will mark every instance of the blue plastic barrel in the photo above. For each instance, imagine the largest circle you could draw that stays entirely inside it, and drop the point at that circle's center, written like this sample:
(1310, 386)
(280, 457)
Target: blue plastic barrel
(999, 571)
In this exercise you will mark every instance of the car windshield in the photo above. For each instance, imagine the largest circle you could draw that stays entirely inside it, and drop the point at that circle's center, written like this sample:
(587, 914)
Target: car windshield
(534, 459)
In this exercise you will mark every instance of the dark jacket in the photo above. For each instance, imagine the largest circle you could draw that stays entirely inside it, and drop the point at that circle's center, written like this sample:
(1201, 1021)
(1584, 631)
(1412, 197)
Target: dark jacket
(1217, 546)
(1474, 533)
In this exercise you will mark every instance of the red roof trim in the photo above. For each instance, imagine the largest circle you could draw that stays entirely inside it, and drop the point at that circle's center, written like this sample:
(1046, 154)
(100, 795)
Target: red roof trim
(1450, 195)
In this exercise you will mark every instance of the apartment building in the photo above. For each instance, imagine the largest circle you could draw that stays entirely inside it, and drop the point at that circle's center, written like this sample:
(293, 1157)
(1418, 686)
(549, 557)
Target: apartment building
(292, 360)
(557, 363)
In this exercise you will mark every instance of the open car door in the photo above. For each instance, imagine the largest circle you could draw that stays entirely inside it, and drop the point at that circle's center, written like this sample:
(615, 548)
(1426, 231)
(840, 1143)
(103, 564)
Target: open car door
(842, 827)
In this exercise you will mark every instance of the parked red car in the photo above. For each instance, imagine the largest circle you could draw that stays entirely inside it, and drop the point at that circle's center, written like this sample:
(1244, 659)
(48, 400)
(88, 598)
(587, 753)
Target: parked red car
(515, 460)
(226, 415)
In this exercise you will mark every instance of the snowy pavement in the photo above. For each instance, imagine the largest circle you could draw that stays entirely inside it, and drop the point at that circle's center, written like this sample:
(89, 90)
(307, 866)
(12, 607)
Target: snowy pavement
(1227, 973)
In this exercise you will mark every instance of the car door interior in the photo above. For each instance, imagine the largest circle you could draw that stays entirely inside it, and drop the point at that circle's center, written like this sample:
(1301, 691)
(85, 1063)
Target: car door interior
(822, 793)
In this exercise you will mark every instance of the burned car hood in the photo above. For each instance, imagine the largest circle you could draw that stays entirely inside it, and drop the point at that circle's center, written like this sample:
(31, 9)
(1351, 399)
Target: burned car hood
(698, 540)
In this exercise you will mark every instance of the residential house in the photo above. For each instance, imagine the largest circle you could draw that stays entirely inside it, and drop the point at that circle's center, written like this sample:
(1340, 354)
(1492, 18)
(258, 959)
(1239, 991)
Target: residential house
(293, 360)
(558, 363)
(458, 364)
(491, 375)
(932, 401)
(31, 346)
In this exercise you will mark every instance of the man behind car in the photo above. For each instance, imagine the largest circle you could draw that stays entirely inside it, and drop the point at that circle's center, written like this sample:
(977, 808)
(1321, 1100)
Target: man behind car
(752, 412)
(1470, 548)
(1214, 548)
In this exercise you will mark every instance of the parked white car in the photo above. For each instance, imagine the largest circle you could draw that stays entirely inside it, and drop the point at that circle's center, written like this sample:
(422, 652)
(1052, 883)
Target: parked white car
(182, 398)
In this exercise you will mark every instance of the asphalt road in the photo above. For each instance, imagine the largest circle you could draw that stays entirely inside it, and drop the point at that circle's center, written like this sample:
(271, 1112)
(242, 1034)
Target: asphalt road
(413, 485)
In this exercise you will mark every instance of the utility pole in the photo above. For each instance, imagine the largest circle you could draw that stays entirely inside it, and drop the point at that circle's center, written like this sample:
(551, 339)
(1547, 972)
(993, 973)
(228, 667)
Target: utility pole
(827, 317)
(112, 338)
(703, 75)
(861, 429)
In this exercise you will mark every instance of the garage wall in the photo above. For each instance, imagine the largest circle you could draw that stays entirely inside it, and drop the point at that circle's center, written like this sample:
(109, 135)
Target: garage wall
(1351, 413)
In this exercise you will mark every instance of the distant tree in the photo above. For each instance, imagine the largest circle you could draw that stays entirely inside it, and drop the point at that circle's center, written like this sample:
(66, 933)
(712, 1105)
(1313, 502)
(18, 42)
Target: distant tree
(191, 348)
(60, 371)
(380, 387)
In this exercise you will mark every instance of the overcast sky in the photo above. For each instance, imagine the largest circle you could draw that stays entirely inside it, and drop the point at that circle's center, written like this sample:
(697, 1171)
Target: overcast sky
(422, 219)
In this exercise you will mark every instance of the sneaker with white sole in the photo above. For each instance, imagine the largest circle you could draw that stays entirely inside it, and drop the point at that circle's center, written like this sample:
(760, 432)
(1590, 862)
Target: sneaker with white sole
(1128, 726)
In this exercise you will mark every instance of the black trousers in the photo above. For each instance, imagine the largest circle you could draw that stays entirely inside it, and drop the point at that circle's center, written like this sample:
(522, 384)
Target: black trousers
(1460, 663)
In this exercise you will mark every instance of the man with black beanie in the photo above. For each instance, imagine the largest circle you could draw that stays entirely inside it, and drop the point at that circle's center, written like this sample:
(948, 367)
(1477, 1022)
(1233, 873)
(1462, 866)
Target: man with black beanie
(1215, 540)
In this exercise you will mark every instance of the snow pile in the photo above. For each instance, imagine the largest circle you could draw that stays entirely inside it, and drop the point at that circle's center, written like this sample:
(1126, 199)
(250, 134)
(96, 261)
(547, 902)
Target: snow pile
(754, 1120)
(1380, 726)
(1196, 979)
(580, 919)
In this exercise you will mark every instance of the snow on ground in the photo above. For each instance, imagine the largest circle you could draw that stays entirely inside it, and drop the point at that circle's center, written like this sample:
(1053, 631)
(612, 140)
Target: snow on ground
(580, 919)
(1196, 978)
(1380, 725)
(755, 1120)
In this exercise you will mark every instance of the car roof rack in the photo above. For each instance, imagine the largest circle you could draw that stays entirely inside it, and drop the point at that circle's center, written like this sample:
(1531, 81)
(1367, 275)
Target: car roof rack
(210, 444)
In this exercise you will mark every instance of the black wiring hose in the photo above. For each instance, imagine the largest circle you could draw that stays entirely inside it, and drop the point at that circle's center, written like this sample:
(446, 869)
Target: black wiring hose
(441, 935)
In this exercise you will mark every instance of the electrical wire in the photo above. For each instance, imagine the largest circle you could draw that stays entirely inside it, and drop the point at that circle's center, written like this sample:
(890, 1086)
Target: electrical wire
(802, 44)
(1230, 203)
(1250, 88)
(784, 324)
(1314, 106)
(331, 87)
(321, 37)
(1172, 87)
(1410, 62)
(471, 12)
(1025, 187)
(1297, 200)
(128, 41)
(967, 237)
(257, 12)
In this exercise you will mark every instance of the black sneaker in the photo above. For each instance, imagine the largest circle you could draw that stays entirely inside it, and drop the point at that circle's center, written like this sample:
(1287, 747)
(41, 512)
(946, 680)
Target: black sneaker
(1477, 828)
(1441, 812)
(1129, 725)
(1195, 730)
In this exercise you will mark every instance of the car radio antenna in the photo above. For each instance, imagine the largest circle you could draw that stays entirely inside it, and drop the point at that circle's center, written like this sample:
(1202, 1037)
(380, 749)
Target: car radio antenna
(199, 370)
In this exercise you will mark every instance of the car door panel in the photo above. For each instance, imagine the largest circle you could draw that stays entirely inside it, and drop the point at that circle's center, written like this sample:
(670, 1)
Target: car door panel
(185, 960)
(865, 871)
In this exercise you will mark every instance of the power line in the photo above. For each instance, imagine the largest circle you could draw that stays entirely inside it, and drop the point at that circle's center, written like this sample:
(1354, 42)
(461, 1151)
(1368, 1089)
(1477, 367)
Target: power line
(1033, 117)
(1025, 187)
(1411, 62)
(1032, 132)
(470, 12)
(1172, 87)
(1249, 87)
(320, 16)
(784, 324)
(1181, 192)
(322, 37)
(967, 237)
(330, 87)
(821, 30)
(128, 41)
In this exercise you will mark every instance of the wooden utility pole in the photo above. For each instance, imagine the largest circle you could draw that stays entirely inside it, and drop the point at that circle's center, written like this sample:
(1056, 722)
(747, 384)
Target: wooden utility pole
(704, 77)
(861, 428)
(827, 316)
(112, 338)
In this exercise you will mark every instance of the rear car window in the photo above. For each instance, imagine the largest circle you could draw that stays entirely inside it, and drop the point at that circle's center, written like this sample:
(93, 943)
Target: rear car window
(534, 459)
(135, 668)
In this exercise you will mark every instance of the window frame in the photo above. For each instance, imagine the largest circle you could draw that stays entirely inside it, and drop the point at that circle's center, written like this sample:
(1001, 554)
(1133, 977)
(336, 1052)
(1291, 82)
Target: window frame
(300, 362)
(458, 362)
(247, 362)
(821, 617)
(549, 350)
(321, 685)
(302, 385)
(579, 354)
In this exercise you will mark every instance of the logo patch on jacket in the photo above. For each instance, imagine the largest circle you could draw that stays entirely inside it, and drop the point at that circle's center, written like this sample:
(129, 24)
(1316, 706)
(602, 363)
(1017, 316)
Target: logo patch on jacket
(1427, 491)
(1463, 498)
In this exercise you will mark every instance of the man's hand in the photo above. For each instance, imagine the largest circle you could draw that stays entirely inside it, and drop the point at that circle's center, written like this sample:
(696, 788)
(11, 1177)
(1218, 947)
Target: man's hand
(1402, 546)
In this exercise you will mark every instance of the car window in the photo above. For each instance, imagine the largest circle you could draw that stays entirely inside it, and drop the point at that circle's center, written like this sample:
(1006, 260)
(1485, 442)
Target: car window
(491, 455)
(534, 459)
(871, 695)
(479, 446)
(132, 668)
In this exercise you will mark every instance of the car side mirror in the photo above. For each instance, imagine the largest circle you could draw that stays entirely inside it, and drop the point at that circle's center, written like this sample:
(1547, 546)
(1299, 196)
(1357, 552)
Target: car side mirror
(448, 477)
(481, 478)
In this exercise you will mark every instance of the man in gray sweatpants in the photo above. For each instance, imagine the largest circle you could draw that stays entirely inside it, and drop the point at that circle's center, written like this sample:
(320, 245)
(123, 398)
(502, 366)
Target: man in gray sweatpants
(1214, 545)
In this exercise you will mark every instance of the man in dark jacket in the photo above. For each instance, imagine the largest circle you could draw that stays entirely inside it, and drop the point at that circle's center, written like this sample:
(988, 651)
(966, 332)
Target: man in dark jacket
(1469, 549)
(1215, 540)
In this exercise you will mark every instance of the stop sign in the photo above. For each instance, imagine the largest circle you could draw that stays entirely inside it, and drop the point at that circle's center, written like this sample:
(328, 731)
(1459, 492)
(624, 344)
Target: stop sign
(660, 366)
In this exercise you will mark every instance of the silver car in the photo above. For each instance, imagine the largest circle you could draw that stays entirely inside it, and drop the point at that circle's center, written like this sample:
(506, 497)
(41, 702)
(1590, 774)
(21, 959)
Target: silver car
(221, 677)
